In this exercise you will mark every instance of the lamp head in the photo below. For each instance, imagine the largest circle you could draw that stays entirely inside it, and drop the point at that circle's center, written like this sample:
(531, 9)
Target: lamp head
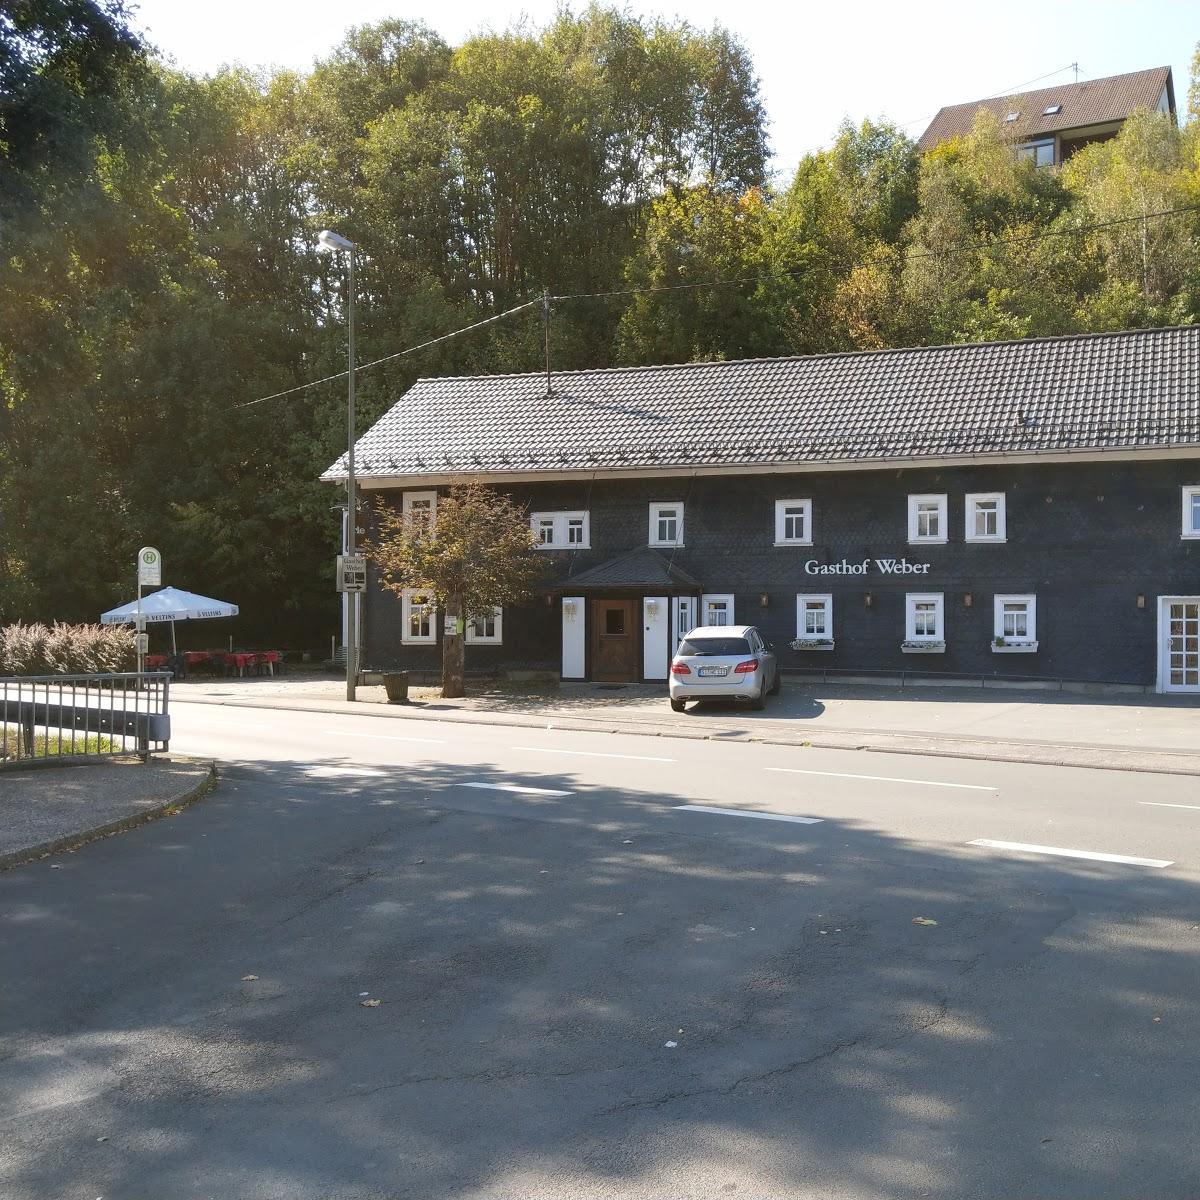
(334, 241)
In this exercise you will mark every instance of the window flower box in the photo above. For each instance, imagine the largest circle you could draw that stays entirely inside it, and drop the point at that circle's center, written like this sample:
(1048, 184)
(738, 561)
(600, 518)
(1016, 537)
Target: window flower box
(922, 647)
(1014, 646)
(812, 644)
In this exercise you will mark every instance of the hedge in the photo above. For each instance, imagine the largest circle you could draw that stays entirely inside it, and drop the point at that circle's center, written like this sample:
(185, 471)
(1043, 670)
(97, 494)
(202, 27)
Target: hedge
(66, 649)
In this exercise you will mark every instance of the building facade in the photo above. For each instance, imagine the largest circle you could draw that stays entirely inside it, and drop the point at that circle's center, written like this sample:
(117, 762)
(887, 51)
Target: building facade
(1017, 510)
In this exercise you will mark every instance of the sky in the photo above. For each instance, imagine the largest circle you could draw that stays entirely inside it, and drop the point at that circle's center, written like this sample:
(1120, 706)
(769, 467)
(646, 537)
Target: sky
(818, 62)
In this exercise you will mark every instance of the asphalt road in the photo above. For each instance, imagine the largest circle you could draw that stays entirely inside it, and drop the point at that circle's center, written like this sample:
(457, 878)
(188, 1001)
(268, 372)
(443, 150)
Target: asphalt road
(586, 990)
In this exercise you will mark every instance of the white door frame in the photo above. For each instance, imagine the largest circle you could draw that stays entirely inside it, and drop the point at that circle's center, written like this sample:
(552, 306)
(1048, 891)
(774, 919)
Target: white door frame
(1162, 679)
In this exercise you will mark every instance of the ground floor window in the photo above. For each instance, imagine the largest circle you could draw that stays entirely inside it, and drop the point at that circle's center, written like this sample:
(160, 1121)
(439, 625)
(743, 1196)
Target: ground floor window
(418, 617)
(1183, 644)
(924, 617)
(487, 629)
(716, 610)
(814, 617)
(1015, 618)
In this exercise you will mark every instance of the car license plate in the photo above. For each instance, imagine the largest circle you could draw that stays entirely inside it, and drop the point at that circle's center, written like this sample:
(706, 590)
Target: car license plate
(714, 670)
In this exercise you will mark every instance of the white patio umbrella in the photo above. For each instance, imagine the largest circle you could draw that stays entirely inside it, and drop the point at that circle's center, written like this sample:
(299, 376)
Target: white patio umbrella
(169, 604)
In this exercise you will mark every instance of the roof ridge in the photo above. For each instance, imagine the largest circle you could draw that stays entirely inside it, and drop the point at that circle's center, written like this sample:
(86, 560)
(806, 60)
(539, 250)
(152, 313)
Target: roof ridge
(829, 354)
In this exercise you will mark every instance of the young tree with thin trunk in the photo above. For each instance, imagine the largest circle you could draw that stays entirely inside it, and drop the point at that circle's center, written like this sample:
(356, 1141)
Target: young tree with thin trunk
(474, 555)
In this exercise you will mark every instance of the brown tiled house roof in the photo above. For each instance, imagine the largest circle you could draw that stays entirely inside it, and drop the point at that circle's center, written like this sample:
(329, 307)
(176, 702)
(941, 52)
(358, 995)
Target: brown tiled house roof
(1092, 102)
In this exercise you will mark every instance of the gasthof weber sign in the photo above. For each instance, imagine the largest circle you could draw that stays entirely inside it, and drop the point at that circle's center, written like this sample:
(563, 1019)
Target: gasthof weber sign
(884, 566)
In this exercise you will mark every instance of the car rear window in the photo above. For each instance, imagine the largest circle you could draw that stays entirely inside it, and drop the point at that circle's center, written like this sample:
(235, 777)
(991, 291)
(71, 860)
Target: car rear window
(709, 646)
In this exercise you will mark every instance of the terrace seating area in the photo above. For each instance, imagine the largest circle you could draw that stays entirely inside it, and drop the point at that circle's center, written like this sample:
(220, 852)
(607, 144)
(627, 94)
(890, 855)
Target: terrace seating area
(218, 662)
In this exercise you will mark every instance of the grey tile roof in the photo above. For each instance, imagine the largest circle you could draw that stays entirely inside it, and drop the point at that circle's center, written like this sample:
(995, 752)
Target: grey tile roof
(1137, 389)
(1092, 102)
(639, 568)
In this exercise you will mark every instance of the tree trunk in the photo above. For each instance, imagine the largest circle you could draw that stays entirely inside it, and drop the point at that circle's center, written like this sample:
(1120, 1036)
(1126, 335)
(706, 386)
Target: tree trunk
(453, 651)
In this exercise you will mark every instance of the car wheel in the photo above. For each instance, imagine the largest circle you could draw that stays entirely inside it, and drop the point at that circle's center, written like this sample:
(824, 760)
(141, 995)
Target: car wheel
(758, 703)
(678, 705)
(776, 684)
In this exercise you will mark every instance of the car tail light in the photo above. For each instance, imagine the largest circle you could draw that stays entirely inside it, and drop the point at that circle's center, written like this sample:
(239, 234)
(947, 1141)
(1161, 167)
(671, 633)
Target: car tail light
(678, 668)
(744, 668)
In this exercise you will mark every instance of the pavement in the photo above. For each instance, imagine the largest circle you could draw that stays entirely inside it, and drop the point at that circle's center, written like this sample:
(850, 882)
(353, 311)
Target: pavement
(1118, 731)
(49, 809)
(448, 961)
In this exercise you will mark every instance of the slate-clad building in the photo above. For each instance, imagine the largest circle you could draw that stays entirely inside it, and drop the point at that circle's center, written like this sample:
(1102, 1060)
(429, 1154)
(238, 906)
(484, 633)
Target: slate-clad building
(1021, 509)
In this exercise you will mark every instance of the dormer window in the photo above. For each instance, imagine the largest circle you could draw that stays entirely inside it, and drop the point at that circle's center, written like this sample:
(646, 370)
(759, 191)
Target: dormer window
(1051, 110)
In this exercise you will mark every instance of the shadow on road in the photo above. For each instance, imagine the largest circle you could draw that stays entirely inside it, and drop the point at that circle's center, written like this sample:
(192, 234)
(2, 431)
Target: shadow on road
(585, 995)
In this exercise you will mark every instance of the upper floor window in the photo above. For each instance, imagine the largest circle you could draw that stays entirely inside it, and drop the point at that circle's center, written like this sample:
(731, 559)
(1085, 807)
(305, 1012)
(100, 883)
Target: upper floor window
(793, 523)
(420, 505)
(560, 530)
(924, 617)
(1191, 511)
(666, 524)
(927, 518)
(487, 629)
(1042, 152)
(985, 517)
(418, 617)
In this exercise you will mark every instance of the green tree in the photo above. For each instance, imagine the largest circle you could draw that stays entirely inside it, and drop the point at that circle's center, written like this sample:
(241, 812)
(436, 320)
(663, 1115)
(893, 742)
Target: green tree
(475, 555)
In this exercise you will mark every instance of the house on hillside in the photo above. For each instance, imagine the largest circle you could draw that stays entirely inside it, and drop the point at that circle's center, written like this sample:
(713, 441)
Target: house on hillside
(1011, 509)
(1049, 125)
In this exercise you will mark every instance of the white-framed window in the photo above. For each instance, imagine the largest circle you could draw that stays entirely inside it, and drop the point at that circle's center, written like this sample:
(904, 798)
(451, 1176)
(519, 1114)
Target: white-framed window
(716, 610)
(927, 518)
(814, 616)
(421, 506)
(487, 629)
(1016, 618)
(418, 616)
(793, 523)
(924, 617)
(561, 530)
(1191, 511)
(986, 520)
(666, 523)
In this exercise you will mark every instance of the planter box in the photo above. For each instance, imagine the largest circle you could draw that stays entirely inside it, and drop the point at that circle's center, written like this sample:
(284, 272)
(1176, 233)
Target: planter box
(1015, 648)
(810, 644)
(922, 647)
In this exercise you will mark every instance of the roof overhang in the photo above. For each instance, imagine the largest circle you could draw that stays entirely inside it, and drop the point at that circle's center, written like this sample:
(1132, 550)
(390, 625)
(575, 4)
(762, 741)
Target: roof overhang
(371, 482)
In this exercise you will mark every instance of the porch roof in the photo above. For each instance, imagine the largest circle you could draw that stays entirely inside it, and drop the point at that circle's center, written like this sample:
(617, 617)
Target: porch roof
(641, 568)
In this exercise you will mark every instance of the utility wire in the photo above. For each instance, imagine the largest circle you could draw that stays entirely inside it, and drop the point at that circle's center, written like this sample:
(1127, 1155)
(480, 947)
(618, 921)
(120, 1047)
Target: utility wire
(1016, 87)
(390, 357)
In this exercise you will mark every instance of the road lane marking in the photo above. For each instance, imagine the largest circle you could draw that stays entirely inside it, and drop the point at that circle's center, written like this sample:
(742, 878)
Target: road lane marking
(745, 812)
(1164, 804)
(593, 754)
(388, 737)
(1095, 855)
(519, 788)
(331, 772)
(970, 787)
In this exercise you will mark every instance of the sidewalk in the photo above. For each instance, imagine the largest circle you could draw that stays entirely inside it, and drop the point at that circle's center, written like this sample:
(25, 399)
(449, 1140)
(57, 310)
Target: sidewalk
(50, 809)
(1121, 732)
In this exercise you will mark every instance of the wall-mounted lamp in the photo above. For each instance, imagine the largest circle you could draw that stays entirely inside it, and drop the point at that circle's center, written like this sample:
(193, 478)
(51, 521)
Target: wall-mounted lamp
(1141, 601)
(968, 599)
(868, 599)
(764, 600)
(549, 599)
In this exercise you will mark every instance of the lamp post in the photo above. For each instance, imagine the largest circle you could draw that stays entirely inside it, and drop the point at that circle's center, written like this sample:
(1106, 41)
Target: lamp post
(335, 241)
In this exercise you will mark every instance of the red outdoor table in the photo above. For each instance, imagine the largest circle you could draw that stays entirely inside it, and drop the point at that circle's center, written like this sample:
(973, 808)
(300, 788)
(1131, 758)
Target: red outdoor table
(268, 659)
(241, 659)
(155, 661)
(193, 658)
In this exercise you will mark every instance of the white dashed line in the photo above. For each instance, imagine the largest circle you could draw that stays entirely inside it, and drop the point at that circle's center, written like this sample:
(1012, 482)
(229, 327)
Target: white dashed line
(745, 812)
(344, 772)
(520, 789)
(594, 754)
(1094, 855)
(1164, 804)
(970, 787)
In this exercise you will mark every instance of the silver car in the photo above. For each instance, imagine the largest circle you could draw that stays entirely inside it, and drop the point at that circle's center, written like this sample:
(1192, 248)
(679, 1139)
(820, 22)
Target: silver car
(723, 662)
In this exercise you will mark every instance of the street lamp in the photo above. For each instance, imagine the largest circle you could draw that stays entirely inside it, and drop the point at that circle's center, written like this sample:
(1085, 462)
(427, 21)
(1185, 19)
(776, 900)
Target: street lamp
(335, 241)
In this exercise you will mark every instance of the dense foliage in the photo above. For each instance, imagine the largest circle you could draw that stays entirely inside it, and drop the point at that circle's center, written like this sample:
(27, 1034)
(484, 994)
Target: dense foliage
(158, 264)
(66, 649)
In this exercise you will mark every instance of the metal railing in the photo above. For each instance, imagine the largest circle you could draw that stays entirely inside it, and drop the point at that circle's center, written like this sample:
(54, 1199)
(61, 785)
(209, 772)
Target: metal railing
(57, 717)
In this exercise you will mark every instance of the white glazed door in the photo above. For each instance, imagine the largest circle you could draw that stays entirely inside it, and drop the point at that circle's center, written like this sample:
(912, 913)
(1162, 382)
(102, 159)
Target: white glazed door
(1181, 644)
(685, 619)
(656, 621)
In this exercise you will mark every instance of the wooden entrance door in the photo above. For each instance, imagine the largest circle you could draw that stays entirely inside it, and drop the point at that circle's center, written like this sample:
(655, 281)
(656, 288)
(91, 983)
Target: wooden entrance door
(613, 643)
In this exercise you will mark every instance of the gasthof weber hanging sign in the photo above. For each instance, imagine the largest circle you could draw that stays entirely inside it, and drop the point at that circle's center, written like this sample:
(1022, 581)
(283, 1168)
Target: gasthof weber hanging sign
(882, 566)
